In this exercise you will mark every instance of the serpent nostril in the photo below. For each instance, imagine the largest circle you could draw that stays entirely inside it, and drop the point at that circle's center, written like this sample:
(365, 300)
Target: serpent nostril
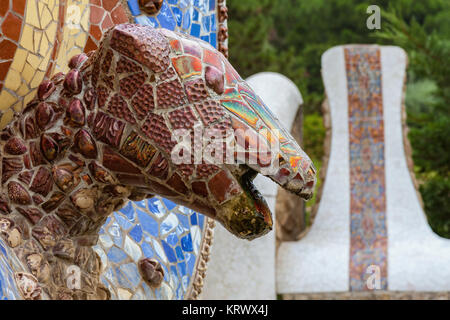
(150, 6)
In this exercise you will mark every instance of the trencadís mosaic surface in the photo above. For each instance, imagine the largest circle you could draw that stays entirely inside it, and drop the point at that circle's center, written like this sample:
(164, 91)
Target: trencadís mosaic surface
(38, 39)
(368, 228)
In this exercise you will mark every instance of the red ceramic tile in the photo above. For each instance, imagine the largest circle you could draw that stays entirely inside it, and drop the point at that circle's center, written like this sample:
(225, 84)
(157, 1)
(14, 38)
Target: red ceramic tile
(212, 58)
(4, 67)
(90, 45)
(95, 32)
(109, 4)
(96, 15)
(18, 6)
(119, 15)
(7, 49)
(4, 6)
(107, 23)
(11, 27)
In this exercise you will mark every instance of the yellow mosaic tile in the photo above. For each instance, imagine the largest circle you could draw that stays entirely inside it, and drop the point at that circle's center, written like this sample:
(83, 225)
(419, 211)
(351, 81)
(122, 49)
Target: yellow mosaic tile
(13, 80)
(6, 118)
(46, 18)
(29, 97)
(32, 17)
(37, 39)
(23, 90)
(41, 9)
(19, 60)
(44, 44)
(27, 73)
(26, 38)
(7, 100)
(44, 64)
(55, 13)
(84, 21)
(17, 107)
(33, 60)
(37, 79)
(81, 40)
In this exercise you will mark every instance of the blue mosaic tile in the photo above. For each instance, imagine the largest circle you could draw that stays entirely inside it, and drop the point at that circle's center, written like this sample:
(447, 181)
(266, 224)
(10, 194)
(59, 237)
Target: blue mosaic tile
(155, 206)
(183, 220)
(187, 20)
(136, 233)
(148, 223)
(123, 222)
(169, 224)
(166, 18)
(132, 273)
(178, 14)
(213, 39)
(213, 23)
(128, 211)
(206, 23)
(170, 253)
(201, 220)
(134, 7)
(182, 266)
(140, 204)
(190, 260)
(186, 243)
(169, 204)
(184, 3)
(179, 253)
(159, 250)
(116, 255)
(193, 219)
(147, 250)
(116, 234)
(122, 278)
(195, 15)
(172, 239)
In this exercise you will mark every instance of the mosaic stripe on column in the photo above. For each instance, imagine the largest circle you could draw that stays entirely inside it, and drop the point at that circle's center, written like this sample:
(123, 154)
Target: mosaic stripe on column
(368, 230)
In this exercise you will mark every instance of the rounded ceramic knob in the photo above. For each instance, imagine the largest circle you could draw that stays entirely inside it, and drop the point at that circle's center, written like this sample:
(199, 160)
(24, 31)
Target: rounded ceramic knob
(150, 6)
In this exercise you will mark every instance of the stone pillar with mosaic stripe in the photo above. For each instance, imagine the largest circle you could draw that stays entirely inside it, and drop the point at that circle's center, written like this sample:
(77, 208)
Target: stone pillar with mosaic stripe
(370, 237)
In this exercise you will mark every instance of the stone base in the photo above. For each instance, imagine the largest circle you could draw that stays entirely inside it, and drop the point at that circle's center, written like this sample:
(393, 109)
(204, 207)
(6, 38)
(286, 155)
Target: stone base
(368, 295)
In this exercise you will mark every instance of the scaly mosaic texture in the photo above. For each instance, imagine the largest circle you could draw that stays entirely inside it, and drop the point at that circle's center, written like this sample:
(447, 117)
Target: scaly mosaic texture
(80, 149)
(368, 230)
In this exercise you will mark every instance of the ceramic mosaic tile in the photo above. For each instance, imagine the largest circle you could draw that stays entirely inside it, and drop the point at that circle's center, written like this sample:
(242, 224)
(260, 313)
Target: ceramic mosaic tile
(368, 230)
(154, 228)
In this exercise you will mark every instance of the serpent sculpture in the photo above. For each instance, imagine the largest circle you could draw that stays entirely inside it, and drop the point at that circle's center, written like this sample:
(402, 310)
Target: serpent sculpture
(114, 128)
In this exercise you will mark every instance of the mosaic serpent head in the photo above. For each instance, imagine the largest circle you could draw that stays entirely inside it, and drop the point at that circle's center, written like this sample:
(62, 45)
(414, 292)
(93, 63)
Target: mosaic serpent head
(134, 119)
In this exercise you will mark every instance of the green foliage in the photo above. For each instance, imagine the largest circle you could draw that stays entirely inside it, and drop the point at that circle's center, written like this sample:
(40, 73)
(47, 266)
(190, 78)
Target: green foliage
(428, 110)
(313, 136)
(436, 196)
